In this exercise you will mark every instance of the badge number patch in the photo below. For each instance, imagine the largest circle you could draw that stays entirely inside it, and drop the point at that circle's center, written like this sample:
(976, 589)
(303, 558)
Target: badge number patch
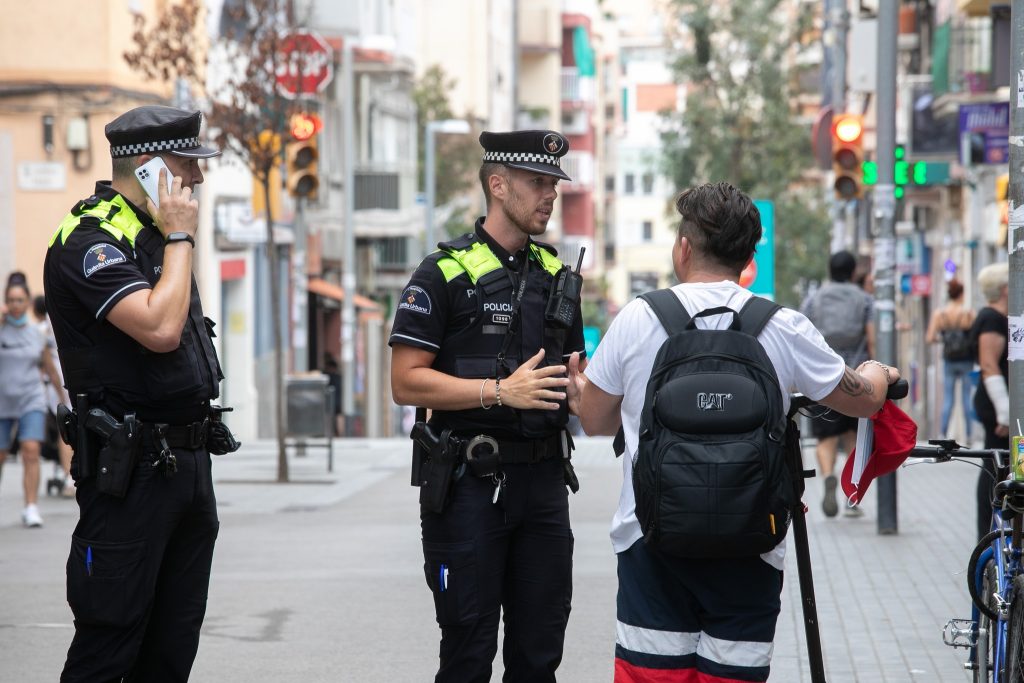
(100, 256)
(416, 300)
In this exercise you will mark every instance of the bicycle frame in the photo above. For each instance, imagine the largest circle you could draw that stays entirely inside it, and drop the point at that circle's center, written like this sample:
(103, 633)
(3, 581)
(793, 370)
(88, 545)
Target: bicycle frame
(1005, 555)
(1008, 565)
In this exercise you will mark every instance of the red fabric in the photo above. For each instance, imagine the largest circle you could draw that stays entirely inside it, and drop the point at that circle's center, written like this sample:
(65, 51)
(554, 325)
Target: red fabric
(628, 673)
(895, 437)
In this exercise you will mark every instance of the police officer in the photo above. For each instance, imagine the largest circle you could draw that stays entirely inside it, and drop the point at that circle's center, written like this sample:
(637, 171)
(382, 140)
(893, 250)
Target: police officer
(472, 341)
(141, 369)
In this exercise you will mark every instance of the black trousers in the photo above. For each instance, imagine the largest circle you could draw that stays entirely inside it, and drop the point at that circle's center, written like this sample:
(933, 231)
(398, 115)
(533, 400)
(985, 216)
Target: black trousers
(138, 574)
(988, 478)
(481, 559)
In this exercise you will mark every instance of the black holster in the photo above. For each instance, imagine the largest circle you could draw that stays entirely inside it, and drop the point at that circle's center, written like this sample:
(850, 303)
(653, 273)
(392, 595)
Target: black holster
(219, 439)
(119, 454)
(435, 460)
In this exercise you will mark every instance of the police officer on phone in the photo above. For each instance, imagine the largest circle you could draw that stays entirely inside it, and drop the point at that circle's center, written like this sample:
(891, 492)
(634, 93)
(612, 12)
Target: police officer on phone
(481, 336)
(141, 370)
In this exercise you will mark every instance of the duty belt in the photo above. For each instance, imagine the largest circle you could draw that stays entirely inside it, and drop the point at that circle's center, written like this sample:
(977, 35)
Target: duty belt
(512, 452)
(191, 436)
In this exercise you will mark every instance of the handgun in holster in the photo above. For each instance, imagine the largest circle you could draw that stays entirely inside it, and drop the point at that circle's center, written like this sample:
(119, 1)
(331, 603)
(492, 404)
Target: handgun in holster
(116, 459)
(435, 458)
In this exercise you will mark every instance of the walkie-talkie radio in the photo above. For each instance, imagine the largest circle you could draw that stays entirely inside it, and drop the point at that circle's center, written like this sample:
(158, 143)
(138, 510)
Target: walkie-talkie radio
(565, 295)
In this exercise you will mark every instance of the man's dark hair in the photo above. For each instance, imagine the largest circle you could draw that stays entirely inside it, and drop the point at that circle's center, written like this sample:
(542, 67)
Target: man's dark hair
(720, 222)
(841, 266)
(124, 167)
(487, 169)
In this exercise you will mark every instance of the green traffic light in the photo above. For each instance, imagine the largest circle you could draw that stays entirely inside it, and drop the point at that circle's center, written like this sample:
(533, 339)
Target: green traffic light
(920, 173)
(870, 169)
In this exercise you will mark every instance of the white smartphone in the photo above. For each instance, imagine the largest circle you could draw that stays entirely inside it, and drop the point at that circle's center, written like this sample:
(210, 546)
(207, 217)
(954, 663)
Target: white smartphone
(149, 175)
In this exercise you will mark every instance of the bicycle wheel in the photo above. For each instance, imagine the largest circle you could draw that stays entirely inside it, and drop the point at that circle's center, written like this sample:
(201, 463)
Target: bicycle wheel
(1015, 633)
(985, 650)
(983, 602)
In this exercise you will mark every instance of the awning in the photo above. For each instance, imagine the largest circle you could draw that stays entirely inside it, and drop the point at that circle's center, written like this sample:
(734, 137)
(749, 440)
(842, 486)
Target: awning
(322, 287)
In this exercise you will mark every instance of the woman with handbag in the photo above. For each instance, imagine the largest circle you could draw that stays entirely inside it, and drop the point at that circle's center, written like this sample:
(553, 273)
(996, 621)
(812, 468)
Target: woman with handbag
(951, 325)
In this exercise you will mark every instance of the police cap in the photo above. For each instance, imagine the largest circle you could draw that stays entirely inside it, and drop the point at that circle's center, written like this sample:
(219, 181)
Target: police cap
(539, 151)
(153, 129)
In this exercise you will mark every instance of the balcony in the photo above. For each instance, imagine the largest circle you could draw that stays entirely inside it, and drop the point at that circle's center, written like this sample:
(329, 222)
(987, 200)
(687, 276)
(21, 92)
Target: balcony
(970, 56)
(577, 90)
(540, 29)
(386, 186)
(580, 167)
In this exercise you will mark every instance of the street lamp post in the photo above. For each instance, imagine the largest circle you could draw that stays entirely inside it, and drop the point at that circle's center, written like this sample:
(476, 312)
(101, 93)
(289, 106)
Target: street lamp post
(450, 126)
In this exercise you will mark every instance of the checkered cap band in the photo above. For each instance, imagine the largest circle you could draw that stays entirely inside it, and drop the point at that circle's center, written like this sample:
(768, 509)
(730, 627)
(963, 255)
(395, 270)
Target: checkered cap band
(155, 146)
(520, 157)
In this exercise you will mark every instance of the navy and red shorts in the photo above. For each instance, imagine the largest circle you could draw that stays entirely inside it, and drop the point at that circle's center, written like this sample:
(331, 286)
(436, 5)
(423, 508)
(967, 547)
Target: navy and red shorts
(694, 621)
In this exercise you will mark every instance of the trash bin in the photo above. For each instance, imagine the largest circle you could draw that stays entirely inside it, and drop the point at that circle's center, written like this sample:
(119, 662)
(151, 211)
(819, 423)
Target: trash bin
(310, 406)
(309, 412)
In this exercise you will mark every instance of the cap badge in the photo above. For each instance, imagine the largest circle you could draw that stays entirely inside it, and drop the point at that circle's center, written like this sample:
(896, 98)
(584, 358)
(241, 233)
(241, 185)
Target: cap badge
(553, 143)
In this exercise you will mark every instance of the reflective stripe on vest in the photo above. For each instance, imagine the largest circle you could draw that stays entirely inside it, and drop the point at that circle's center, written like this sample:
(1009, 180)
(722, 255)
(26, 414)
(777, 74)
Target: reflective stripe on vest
(115, 216)
(479, 260)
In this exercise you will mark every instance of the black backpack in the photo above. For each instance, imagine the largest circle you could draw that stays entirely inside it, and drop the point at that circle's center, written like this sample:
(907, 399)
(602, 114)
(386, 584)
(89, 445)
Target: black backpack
(711, 477)
(956, 343)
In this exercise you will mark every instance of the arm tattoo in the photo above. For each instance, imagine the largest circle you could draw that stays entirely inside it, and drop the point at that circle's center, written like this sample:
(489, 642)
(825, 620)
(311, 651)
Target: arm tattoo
(853, 384)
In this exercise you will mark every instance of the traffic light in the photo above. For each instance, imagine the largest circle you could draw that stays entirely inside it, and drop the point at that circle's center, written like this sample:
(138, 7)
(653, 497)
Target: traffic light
(301, 157)
(848, 155)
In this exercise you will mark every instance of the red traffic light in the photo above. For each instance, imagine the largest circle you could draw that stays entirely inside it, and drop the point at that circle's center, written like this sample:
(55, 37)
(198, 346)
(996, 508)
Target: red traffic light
(304, 126)
(848, 127)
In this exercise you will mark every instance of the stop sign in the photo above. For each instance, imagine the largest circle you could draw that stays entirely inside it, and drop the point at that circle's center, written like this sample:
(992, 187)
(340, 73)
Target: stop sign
(305, 64)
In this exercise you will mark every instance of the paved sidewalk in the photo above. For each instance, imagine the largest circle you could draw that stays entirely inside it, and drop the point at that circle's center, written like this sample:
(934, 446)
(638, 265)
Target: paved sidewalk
(321, 579)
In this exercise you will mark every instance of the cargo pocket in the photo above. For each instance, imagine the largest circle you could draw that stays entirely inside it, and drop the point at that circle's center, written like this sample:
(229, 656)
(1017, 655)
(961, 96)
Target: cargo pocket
(106, 581)
(450, 570)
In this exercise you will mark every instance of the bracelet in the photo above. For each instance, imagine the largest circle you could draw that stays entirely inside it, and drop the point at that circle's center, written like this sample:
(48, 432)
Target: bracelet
(497, 391)
(482, 385)
(885, 369)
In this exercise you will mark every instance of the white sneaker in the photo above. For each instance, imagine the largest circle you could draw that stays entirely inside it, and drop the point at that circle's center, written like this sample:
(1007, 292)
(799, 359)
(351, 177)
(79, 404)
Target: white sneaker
(30, 516)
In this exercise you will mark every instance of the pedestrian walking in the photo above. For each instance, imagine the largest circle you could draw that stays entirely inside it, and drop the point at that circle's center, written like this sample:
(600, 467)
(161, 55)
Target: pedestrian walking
(141, 369)
(481, 336)
(686, 618)
(23, 357)
(951, 325)
(992, 398)
(53, 396)
(844, 315)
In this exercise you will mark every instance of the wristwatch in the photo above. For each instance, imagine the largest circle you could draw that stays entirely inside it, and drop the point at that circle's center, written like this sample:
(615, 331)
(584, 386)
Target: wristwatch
(180, 237)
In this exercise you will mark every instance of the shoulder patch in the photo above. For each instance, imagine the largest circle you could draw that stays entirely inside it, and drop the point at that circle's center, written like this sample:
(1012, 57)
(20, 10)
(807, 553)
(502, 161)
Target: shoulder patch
(415, 299)
(100, 256)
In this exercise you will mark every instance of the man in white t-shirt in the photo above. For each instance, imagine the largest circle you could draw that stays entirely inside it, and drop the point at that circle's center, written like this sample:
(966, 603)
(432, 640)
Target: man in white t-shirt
(715, 617)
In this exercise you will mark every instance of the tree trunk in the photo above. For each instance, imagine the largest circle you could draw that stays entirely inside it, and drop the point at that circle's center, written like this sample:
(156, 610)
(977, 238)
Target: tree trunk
(275, 315)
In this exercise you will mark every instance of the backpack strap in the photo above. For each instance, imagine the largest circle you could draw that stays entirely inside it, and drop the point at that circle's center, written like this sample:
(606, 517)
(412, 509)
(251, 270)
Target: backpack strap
(669, 309)
(756, 313)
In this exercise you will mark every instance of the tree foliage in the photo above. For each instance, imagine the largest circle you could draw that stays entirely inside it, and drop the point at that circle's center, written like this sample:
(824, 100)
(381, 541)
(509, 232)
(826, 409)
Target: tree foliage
(740, 123)
(247, 114)
(166, 50)
(457, 156)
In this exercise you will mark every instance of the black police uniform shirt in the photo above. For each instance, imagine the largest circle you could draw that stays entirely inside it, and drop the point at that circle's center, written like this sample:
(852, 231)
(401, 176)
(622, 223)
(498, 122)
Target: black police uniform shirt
(92, 272)
(442, 308)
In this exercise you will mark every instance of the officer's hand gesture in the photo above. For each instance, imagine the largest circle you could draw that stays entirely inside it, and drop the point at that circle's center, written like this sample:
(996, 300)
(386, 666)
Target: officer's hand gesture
(178, 210)
(532, 388)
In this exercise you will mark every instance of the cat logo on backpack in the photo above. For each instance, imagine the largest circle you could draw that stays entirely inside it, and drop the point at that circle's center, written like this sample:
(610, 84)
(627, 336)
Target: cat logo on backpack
(706, 401)
(717, 481)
